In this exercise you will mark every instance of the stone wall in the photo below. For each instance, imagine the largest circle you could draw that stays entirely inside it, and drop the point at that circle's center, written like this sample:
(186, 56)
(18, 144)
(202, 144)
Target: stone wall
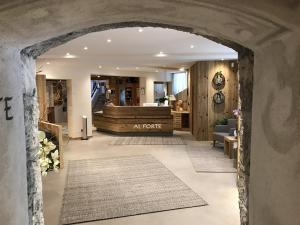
(246, 65)
(31, 116)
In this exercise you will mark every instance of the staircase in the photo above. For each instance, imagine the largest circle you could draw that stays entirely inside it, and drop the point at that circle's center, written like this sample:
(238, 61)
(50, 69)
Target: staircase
(99, 102)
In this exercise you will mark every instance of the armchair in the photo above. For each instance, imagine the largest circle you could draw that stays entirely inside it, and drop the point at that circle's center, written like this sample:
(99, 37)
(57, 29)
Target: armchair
(220, 131)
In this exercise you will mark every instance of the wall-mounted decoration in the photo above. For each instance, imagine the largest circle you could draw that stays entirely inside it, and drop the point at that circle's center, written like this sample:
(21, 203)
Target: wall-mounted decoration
(58, 93)
(218, 81)
(219, 97)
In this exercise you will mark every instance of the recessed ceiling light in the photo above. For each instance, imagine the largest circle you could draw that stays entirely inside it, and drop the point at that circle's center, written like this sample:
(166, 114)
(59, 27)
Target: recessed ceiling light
(98, 76)
(161, 54)
(85, 48)
(108, 40)
(117, 68)
(100, 67)
(182, 69)
(192, 46)
(68, 55)
(141, 30)
(48, 63)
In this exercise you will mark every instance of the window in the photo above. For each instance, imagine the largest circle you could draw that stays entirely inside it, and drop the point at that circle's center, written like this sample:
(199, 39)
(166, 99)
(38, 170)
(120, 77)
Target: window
(179, 82)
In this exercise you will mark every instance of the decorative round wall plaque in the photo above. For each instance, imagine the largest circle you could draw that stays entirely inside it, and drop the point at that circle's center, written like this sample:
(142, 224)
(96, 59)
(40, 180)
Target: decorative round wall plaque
(219, 81)
(219, 98)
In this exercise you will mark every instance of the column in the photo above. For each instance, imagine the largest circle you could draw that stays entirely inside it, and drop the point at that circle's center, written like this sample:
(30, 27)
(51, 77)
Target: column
(13, 179)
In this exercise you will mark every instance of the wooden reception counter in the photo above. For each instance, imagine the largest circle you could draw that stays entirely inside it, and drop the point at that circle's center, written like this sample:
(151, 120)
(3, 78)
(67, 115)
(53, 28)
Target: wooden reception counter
(135, 120)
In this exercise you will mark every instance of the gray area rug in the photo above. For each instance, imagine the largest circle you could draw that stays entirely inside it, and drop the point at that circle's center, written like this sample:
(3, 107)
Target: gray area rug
(98, 189)
(173, 140)
(210, 160)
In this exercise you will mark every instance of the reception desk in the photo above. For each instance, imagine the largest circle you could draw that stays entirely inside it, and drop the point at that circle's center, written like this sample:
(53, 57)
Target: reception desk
(134, 120)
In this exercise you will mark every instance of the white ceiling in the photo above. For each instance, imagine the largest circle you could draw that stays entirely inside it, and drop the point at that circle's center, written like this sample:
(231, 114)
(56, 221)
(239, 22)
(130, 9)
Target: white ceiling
(131, 50)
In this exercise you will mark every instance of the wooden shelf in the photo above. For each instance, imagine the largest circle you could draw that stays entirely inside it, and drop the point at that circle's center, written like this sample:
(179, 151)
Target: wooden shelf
(181, 120)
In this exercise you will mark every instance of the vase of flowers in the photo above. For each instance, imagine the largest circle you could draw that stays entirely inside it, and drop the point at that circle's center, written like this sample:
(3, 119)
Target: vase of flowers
(164, 101)
(236, 113)
(48, 154)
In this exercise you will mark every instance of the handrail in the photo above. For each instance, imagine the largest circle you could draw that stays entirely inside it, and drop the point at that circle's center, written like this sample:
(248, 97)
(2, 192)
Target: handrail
(94, 91)
(95, 97)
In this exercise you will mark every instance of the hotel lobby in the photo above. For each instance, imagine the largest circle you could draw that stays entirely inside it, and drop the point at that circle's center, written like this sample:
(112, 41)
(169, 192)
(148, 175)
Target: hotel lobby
(131, 112)
(105, 103)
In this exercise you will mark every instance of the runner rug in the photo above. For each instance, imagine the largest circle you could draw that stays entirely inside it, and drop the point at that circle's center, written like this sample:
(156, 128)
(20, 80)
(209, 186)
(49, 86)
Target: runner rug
(174, 140)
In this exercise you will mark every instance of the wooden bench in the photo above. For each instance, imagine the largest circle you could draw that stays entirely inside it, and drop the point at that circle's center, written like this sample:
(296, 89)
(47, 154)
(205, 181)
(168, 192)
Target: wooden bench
(228, 145)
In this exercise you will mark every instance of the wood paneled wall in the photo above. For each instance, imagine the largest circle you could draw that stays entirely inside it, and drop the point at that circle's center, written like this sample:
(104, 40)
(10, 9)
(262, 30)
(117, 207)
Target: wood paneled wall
(42, 96)
(204, 111)
(199, 102)
(184, 96)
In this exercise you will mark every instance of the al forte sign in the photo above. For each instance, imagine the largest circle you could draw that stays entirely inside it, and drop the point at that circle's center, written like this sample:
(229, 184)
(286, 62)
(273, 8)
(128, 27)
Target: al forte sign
(5, 104)
(147, 126)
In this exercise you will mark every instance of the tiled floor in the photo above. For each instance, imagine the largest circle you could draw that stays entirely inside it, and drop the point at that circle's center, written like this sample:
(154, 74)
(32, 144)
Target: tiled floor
(218, 189)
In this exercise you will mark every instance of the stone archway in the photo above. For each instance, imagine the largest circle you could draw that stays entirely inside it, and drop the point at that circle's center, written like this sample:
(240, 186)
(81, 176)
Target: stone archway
(266, 28)
(245, 92)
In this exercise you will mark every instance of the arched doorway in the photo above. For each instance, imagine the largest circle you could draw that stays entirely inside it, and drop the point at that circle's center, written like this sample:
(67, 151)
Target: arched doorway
(237, 22)
(245, 79)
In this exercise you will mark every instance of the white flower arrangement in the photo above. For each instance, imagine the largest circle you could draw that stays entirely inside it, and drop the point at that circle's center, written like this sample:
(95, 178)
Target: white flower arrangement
(48, 156)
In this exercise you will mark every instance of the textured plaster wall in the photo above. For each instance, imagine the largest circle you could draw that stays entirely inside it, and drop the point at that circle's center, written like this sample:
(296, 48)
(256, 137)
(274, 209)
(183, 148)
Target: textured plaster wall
(275, 155)
(13, 182)
(270, 28)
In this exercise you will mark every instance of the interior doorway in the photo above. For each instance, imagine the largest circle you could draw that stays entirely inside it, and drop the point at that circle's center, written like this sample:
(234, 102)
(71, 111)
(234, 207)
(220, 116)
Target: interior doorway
(53, 95)
(57, 101)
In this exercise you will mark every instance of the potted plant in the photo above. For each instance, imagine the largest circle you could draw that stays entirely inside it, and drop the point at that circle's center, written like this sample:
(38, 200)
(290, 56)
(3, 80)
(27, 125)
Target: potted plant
(164, 100)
